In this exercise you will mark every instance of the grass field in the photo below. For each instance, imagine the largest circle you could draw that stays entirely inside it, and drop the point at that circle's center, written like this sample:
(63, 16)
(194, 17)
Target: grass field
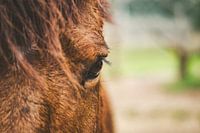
(127, 62)
(132, 62)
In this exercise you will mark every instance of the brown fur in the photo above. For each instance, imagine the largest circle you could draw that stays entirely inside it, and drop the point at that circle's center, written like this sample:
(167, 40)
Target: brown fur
(45, 47)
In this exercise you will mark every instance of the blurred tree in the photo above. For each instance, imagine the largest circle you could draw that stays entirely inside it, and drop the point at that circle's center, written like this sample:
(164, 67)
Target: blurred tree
(190, 9)
(193, 12)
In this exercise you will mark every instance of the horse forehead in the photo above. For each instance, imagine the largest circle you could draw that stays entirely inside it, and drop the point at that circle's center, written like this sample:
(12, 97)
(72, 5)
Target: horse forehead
(88, 41)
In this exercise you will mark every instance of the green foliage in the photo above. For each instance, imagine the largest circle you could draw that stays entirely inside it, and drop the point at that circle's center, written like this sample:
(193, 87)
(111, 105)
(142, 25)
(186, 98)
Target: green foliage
(149, 7)
(193, 13)
(189, 83)
(190, 8)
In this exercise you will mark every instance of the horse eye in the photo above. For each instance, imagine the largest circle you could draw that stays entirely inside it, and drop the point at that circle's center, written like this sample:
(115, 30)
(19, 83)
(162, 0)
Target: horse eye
(94, 71)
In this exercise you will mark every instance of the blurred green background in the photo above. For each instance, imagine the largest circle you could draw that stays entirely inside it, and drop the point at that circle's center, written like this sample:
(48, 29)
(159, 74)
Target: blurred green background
(154, 76)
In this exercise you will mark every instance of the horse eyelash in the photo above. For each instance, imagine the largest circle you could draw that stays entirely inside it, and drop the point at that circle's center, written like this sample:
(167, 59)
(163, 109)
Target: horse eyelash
(107, 61)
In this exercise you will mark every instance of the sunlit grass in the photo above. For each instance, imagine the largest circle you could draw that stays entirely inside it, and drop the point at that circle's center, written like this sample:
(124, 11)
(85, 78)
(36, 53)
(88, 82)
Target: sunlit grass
(147, 62)
(129, 62)
(134, 62)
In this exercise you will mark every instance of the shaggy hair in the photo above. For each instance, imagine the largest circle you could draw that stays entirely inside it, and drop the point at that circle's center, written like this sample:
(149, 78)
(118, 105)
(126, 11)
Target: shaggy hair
(40, 68)
(30, 29)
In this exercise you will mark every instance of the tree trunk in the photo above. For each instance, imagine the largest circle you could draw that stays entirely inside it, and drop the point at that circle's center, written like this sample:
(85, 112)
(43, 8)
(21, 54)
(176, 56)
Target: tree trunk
(183, 62)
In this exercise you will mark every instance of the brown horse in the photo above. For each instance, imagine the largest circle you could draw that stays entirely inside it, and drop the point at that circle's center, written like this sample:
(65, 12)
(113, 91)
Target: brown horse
(51, 54)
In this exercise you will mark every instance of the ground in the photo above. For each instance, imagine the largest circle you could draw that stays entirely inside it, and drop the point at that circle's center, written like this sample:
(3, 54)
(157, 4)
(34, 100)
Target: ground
(143, 105)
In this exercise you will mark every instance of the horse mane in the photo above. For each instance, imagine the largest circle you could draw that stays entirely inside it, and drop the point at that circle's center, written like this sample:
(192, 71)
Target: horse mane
(30, 29)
